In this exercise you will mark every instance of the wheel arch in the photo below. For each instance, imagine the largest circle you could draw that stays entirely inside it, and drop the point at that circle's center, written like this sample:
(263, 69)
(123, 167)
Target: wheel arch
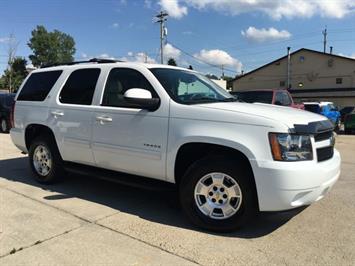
(33, 131)
(189, 152)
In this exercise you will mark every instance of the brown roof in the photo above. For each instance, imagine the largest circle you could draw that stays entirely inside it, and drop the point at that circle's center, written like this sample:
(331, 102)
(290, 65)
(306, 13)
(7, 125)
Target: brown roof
(295, 52)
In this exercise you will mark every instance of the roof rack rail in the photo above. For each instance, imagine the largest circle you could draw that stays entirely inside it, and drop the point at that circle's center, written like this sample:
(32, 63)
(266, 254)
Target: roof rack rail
(93, 60)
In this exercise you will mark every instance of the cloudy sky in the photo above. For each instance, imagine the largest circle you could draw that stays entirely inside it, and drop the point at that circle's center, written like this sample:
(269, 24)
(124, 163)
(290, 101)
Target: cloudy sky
(238, 34)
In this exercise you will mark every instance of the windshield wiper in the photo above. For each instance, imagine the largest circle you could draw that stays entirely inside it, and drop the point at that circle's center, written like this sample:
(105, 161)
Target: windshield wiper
(211, 100)
(231, 99)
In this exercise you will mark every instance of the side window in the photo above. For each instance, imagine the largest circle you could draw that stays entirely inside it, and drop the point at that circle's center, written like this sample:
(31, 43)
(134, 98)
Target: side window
(80, 87)
(38, 86)
(278, 98)
(119, 81)
(286, 101)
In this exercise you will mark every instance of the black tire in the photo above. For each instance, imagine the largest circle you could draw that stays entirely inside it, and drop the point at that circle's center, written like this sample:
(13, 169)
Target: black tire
(6, 129)
(56, 171)
(239, 173)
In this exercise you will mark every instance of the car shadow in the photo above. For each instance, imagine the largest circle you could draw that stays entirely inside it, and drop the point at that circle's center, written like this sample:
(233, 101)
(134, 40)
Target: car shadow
(156, 206)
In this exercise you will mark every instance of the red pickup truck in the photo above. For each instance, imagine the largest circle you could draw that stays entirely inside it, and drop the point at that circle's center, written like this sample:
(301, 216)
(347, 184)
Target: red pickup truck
(270, 96)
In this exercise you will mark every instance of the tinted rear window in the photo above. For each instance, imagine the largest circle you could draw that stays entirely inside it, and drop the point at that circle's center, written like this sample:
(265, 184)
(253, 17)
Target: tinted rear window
(255, 96)
(80, 87)
(38, 86)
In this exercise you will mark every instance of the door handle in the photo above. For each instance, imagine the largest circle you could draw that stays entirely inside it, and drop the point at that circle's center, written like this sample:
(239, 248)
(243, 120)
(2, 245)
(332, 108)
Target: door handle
(103, 119)
(57, 113)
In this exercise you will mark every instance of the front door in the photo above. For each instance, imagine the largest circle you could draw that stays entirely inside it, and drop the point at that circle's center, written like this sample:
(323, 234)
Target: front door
(127, 138)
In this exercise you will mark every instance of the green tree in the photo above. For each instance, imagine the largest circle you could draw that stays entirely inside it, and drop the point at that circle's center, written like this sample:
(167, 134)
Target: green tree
(211, 76)
(227, 78)
(50, 47)
(172, 62)
(14, 75)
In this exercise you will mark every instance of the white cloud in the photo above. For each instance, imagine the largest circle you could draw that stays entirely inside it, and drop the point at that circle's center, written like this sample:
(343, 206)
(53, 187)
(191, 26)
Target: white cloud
(219, 58)
(115, 25)
(275, 9)
(148, 4)
(171, 52)
(138, 57)
(261, 35)
(173, 8)
(142, 57)
(350, 56)
(4, 40)
(84, 55)
(104, 56)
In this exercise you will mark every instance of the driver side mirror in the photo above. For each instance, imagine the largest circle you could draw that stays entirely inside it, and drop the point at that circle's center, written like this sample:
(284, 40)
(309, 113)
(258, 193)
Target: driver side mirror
(142, 98)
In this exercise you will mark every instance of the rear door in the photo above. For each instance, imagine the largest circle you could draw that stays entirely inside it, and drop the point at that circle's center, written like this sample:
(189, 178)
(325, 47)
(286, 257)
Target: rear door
(125, 137)
(71, 115)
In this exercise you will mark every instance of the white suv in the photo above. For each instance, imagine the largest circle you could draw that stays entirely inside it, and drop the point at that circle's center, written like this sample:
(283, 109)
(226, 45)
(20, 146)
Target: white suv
(125, 120)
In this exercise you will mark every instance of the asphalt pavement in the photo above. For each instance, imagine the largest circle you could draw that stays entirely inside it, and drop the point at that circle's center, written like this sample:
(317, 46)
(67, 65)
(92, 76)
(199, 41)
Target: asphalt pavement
(87, 221)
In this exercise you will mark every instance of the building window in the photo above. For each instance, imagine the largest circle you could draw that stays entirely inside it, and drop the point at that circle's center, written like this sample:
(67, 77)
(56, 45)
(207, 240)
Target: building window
(302, 58)
(339, 80)
(282, 83)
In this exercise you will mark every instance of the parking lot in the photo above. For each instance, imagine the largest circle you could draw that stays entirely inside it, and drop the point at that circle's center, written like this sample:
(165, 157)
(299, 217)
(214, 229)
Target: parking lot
(89, 222)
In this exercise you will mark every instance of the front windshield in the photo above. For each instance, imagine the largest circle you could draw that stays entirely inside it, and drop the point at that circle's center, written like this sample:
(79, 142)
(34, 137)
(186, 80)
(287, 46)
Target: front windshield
(189, 87)
(332, 107)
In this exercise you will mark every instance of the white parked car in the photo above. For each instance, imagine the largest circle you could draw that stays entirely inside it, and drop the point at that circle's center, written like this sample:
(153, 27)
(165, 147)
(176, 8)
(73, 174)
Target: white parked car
(124, 121)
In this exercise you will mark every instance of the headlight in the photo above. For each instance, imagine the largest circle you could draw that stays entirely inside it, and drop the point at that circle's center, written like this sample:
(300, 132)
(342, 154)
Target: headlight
(290, 147)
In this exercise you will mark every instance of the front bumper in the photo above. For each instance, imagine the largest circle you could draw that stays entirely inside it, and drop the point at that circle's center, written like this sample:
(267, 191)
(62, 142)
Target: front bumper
(287, 185)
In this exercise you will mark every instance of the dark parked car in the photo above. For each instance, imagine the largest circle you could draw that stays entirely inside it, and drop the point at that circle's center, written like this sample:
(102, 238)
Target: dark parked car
(349, 123)
(346, 110)
(6, 103)
(271, 96)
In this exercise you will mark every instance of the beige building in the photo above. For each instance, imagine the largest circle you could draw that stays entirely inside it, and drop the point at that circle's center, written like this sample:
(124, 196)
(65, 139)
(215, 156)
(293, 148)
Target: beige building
(314, 76)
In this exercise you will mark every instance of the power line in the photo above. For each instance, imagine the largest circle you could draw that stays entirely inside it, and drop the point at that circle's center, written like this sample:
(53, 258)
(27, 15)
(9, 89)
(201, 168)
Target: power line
(202, 61)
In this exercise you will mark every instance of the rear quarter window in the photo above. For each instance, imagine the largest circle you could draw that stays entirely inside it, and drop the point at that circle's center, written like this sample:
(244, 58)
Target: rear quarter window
(38, 86)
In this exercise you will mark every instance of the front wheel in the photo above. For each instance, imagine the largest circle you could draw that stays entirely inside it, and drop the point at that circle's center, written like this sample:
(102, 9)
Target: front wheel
(218, 195)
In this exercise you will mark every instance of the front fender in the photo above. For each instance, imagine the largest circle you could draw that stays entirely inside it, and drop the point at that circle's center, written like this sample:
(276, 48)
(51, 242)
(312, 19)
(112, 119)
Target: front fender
(252, 141)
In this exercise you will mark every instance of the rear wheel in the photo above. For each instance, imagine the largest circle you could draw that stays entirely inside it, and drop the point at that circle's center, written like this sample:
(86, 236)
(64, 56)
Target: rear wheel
(4, 125)
(45, 160)
(218, 195)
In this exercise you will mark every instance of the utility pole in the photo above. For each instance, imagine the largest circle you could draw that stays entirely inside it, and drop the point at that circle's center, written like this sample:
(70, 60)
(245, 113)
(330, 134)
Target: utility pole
(12, 48)
(288, 68)
(222, 71)
(325, 39)
(161, 18)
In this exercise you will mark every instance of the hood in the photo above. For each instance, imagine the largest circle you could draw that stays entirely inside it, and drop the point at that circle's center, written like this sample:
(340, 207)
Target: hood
(286, 115)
